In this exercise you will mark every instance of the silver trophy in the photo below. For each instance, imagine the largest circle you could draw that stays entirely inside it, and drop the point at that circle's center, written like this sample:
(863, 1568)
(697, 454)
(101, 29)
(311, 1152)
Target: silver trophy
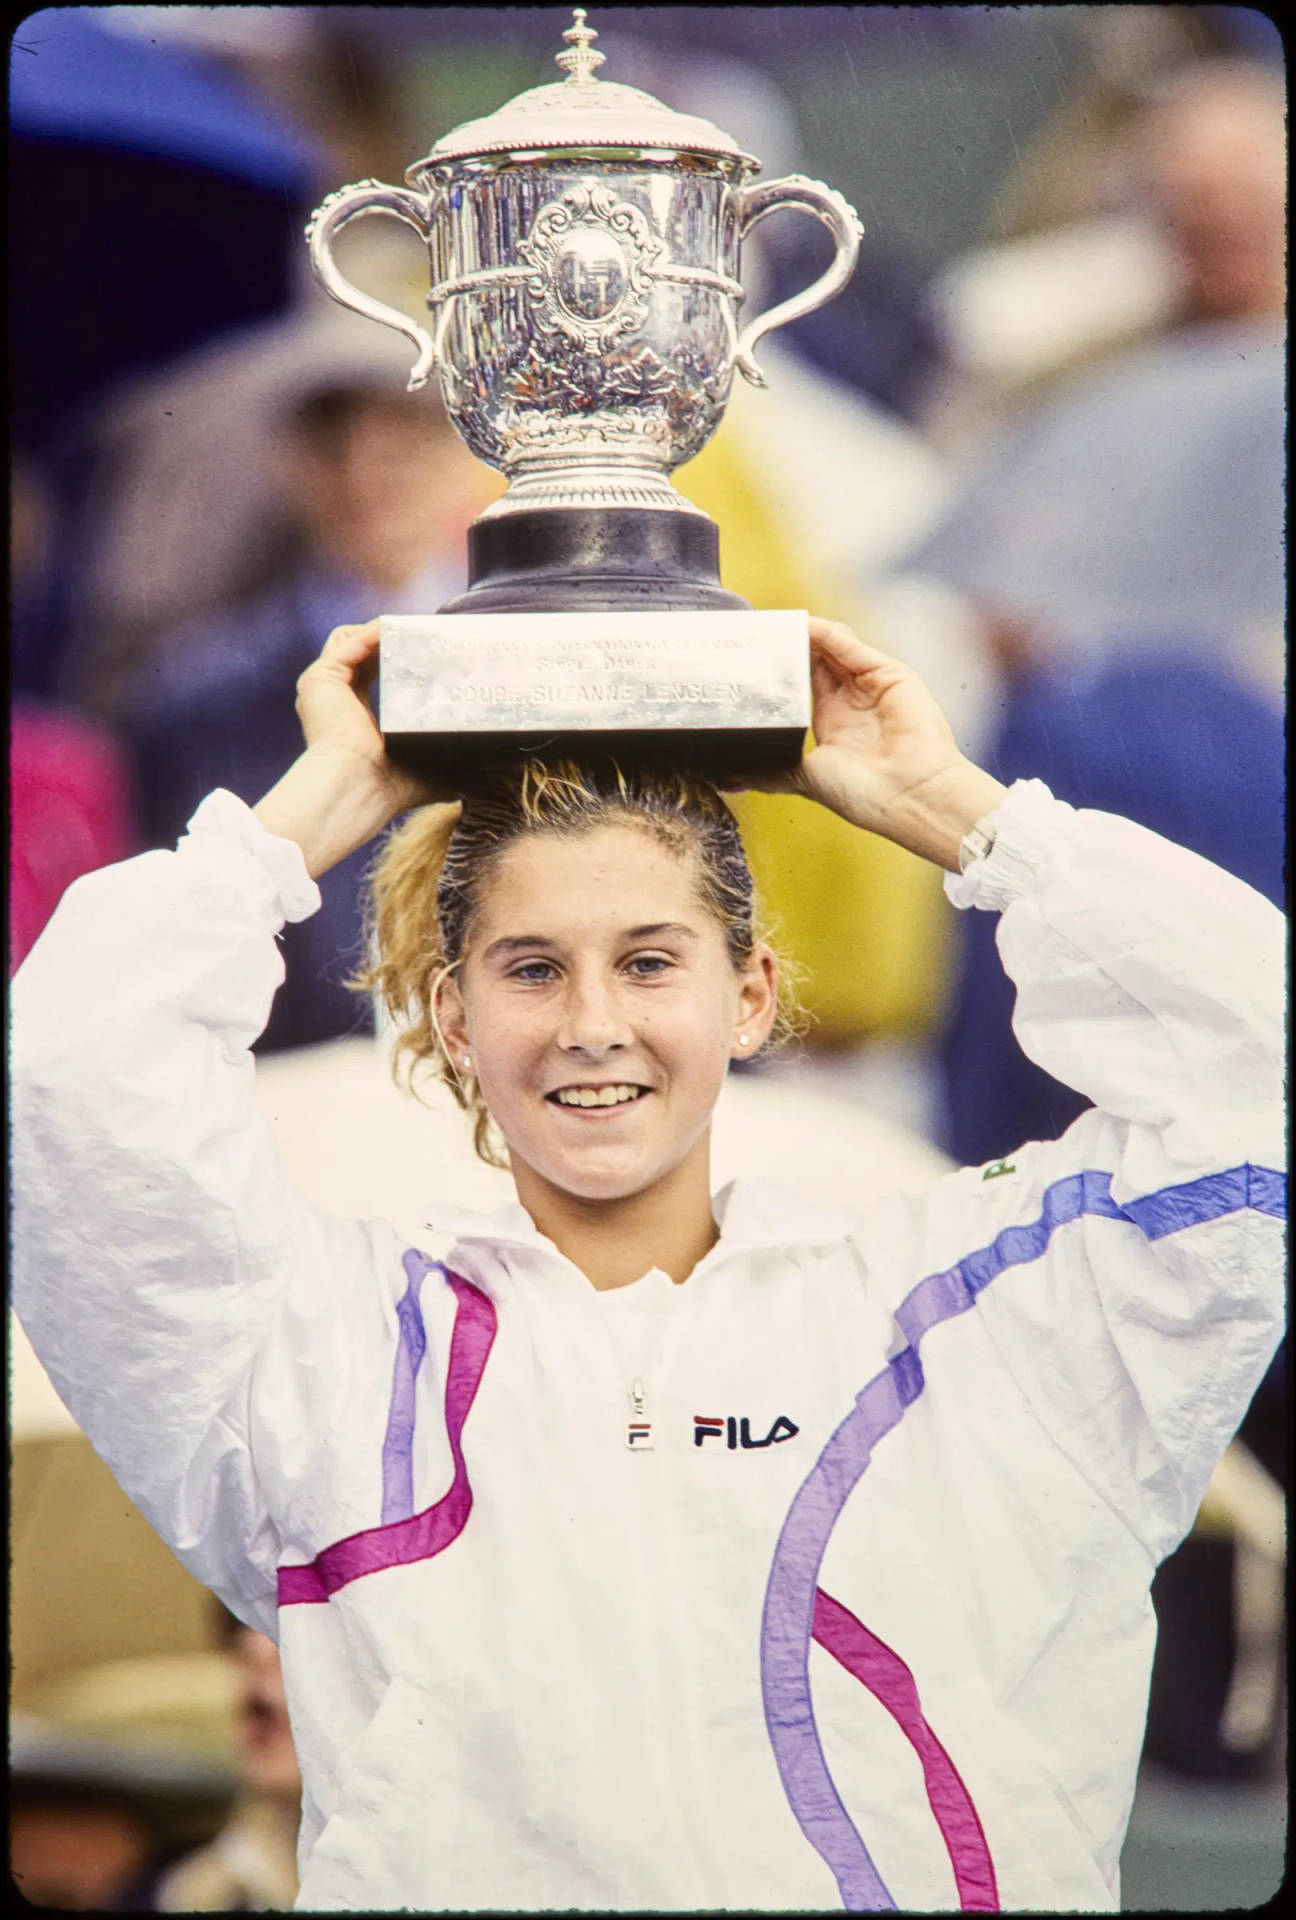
(584, 245)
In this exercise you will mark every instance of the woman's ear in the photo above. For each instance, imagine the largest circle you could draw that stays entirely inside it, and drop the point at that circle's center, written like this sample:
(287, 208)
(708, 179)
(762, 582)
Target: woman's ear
(757, 1003)
(450, 1019)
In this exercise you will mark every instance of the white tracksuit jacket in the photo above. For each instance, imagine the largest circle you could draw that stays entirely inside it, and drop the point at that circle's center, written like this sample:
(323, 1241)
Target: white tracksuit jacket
(863, 1619)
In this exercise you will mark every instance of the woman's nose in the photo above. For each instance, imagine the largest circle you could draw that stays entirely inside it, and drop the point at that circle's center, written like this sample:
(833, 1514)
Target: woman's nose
(593, 1021)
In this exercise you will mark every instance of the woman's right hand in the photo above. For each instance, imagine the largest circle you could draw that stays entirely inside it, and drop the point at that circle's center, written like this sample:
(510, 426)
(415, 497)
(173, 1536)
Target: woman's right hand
(333, 707)
(343, 789)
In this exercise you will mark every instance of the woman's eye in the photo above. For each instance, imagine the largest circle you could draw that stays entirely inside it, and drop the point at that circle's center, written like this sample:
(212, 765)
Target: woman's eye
(646, 965)
(534, 972)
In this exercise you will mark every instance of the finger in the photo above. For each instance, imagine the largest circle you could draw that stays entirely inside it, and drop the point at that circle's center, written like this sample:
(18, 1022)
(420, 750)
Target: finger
(364, 676)
(348, 655)
(350, 647)
(833, 640)
(825, 678)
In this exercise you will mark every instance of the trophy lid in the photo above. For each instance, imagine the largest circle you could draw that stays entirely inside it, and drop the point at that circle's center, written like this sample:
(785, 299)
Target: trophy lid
(583, 111)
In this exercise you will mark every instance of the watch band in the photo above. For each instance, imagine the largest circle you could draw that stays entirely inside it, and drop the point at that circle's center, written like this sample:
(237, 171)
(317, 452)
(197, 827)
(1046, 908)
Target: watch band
(975, 845)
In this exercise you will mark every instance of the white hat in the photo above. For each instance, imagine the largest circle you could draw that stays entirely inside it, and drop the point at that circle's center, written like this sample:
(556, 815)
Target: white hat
(43, 1753)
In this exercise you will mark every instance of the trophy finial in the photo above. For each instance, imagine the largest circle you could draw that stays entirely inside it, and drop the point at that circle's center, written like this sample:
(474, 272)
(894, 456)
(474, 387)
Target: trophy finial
(580, 59)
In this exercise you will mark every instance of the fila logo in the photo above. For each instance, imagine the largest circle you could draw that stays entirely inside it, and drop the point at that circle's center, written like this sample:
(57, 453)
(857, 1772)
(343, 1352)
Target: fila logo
(737, 1433)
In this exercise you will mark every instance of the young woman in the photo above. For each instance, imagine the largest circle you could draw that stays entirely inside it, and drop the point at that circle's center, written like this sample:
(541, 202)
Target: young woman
(634, 1548)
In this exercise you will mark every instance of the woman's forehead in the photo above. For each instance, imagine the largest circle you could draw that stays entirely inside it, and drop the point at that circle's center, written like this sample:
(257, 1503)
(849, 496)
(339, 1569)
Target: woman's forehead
(618, 873)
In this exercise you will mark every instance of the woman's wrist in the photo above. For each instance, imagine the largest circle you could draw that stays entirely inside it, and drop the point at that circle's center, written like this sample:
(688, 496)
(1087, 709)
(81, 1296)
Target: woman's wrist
(933, 818)
(331, 802)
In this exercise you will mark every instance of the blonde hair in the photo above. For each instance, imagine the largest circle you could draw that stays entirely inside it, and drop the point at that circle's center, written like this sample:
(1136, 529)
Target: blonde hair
(425, 890)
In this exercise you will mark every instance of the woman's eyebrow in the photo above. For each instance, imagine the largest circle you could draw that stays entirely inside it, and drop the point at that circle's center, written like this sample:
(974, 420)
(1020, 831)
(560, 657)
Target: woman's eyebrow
(514, 942)
(499, 949)
(674, 927)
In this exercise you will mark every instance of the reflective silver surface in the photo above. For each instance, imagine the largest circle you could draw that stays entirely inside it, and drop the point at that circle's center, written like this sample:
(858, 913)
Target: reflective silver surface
(592, 349)
(585, 289)
(586, 112)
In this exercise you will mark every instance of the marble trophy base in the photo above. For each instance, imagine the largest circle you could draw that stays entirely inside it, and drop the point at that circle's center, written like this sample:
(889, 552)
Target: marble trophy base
(594, 636)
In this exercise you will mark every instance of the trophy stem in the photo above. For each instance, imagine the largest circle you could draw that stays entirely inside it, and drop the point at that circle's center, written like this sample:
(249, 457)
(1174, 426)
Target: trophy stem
(604, 483)
(576, 559)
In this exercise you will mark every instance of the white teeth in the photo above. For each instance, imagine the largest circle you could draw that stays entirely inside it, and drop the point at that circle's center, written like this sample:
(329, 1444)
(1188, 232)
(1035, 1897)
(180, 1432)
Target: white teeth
(595, 1096)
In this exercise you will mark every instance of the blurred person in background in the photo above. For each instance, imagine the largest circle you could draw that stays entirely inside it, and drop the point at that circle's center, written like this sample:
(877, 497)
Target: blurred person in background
(1142, 499)
(364, 495)
(1118, 225)
(1207, 165)
(90, 1815)
(251, 1864)
(1210, 156)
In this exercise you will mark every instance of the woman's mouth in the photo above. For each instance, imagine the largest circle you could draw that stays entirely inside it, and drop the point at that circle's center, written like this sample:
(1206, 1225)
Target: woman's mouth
(601, 1099)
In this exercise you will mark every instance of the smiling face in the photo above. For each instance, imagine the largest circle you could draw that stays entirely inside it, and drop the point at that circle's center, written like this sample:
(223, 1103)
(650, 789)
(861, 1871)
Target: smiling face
(601, 1008)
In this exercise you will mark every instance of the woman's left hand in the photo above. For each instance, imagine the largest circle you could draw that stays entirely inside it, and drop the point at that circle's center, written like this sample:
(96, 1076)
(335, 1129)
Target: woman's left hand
(884, 756)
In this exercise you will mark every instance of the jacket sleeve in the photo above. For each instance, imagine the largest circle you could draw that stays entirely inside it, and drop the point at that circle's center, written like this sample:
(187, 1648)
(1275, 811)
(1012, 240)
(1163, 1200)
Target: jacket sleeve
(156, 1237)
(1137, 1261)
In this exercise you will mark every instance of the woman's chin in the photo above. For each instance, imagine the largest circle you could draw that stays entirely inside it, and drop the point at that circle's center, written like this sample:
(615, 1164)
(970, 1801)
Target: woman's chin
(600, 1184)
(594, 1163)
(600, 1171)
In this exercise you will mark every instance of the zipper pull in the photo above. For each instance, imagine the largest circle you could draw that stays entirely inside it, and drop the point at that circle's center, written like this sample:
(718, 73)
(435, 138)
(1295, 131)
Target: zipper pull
(638, 1427)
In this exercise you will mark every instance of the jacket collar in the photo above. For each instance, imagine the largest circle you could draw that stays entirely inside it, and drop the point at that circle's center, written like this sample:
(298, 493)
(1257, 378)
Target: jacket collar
(758, 1216)
(753, 1217)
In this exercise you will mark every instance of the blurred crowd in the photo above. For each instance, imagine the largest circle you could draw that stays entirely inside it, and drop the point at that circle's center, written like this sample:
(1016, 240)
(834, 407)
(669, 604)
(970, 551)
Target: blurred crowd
(1047, 467)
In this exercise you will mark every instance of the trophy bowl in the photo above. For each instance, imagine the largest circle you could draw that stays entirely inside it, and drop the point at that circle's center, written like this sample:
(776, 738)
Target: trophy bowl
(591, 349)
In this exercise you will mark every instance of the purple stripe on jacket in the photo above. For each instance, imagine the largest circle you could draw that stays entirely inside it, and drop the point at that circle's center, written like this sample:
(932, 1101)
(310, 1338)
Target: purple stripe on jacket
(418, 1536)
(398, 1444)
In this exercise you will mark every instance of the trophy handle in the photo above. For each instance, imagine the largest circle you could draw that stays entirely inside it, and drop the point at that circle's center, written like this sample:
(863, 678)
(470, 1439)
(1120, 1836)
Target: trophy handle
(349, 203)
(843, 223)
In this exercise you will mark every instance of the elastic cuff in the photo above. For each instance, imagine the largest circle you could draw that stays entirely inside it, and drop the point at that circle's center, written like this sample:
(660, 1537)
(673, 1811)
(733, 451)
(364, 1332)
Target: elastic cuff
(224, 819)
(1025, 824)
